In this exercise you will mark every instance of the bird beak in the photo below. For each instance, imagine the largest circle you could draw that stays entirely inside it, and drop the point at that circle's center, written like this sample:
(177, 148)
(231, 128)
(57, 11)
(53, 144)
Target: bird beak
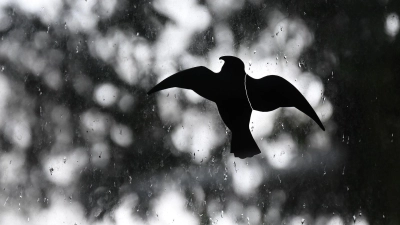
(222, 58)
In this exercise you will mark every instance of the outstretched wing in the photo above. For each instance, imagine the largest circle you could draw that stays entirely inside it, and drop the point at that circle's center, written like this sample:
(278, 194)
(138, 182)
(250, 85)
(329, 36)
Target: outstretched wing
(271, 92)
(199, 79)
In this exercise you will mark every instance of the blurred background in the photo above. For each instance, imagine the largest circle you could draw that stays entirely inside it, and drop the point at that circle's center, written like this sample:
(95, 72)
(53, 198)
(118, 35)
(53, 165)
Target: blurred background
(82, 143)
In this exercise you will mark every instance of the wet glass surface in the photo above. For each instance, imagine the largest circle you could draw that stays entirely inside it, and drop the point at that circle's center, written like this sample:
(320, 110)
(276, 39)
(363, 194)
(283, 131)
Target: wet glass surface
(82, 143)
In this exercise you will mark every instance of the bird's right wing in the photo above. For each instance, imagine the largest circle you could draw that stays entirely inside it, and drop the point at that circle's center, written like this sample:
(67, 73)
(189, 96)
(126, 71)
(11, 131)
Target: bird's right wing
(199, 79)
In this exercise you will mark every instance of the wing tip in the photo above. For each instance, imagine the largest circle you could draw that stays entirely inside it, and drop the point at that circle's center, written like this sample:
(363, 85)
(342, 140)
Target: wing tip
(153, 90)
(320, 124)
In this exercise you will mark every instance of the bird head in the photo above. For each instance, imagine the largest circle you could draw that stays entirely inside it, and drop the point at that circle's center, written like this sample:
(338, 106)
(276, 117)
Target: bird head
(232, 65)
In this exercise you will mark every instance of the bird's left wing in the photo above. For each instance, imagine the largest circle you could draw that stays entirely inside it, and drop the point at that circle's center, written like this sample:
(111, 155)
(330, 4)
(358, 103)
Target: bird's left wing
(199, 79)
(271, 92)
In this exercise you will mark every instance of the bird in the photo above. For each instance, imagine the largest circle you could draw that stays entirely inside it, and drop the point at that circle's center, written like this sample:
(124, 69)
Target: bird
(236, 95)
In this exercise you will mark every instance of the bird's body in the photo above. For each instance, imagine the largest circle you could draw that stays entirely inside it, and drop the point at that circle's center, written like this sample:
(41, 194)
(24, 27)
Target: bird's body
(236, 95)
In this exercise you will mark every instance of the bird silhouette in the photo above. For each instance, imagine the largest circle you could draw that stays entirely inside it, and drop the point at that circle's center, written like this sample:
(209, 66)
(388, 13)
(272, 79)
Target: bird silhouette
(236, 94)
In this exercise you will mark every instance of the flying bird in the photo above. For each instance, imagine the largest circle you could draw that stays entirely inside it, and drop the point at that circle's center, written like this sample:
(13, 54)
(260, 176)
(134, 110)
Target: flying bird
(236, 94)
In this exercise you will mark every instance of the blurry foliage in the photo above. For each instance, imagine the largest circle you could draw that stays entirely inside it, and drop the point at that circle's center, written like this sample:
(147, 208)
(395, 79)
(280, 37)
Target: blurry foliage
(58, 136)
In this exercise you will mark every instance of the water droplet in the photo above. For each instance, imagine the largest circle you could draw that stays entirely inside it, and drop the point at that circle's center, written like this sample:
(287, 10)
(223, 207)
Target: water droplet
(354, 218)
(254, 52)
(137, 34)
(302, 221)
(2, 68)
(299, 65)
(5, 202)
(65, 25)
(51, 171)
(65, 160)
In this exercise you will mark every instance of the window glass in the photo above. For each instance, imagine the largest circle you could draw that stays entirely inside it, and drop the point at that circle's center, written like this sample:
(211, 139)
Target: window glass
(81, 142)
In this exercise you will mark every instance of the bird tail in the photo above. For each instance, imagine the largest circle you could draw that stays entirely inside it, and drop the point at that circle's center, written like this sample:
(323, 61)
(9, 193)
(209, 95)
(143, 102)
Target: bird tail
(243, 144)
